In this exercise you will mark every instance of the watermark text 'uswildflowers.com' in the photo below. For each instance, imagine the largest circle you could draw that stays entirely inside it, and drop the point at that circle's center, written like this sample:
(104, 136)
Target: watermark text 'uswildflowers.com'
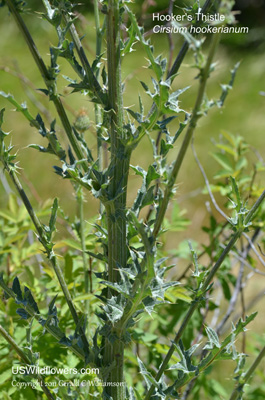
(33, 369)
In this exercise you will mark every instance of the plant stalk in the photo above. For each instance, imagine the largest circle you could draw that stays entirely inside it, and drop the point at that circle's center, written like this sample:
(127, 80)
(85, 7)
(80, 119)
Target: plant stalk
(254, 209)
(25, 358)
(49, 81)
(48, 248)
(185, 47)
(245, 377)
(80, 202)
(196, 114)
(203, 289)
(116, 210)
(102, 156)
(193, 307)
(52, 329)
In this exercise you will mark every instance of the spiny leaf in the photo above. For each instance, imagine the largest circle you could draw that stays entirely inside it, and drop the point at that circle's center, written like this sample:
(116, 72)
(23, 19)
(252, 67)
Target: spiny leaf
(42, 129)
(152, 174)
(227, 88)
(23, 313)
(185, 364)
(162, 124)
(52, 307)
(149, 379)
(156, 63)
(65, 341)
(53, 217)
(114, 308)
(213, 338)
(17, 290)
(236, 191)
(195, 260)
(30, 300)
(182, 126)
(158, 287)
(223, 351)
(149, 304)
(118, 287)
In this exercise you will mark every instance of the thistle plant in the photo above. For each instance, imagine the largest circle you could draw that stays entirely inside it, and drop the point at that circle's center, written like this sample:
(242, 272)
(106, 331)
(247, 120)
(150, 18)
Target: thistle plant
(118, 262)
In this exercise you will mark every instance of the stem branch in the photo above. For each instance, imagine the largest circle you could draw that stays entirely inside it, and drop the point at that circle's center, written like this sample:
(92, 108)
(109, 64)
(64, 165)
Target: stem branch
(196, 114)
(48, 248)
(203, 289)
(49, 81)
(242, 382)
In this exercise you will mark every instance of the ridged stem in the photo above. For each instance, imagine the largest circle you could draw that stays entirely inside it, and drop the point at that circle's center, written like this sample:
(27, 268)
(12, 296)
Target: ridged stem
(116, 211)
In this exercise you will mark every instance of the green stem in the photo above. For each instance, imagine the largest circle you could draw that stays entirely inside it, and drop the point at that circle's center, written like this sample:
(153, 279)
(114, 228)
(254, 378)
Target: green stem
(100, 147)
(98, 119)
(185, 47)
(48, 248)
(196, 114)
(253, 210)
(116, 210)
(33, 122)
(245, 377)
(193, 307)
(50, 82)
(117, 256)
(80, 202)
(69, 131)
(15, 346)
(220, 260)
(203, 289)
(24, 357)
(99, 32)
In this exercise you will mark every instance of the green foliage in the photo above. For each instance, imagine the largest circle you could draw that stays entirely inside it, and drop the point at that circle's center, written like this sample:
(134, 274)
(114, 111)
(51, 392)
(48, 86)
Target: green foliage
(108, 287)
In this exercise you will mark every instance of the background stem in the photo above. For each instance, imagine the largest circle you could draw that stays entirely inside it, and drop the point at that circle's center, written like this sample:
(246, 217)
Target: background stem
(52, 329)
(196, 114)
(49, 81)
(49, 251)
(80, 202)
(239, 388)
(203, 289)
